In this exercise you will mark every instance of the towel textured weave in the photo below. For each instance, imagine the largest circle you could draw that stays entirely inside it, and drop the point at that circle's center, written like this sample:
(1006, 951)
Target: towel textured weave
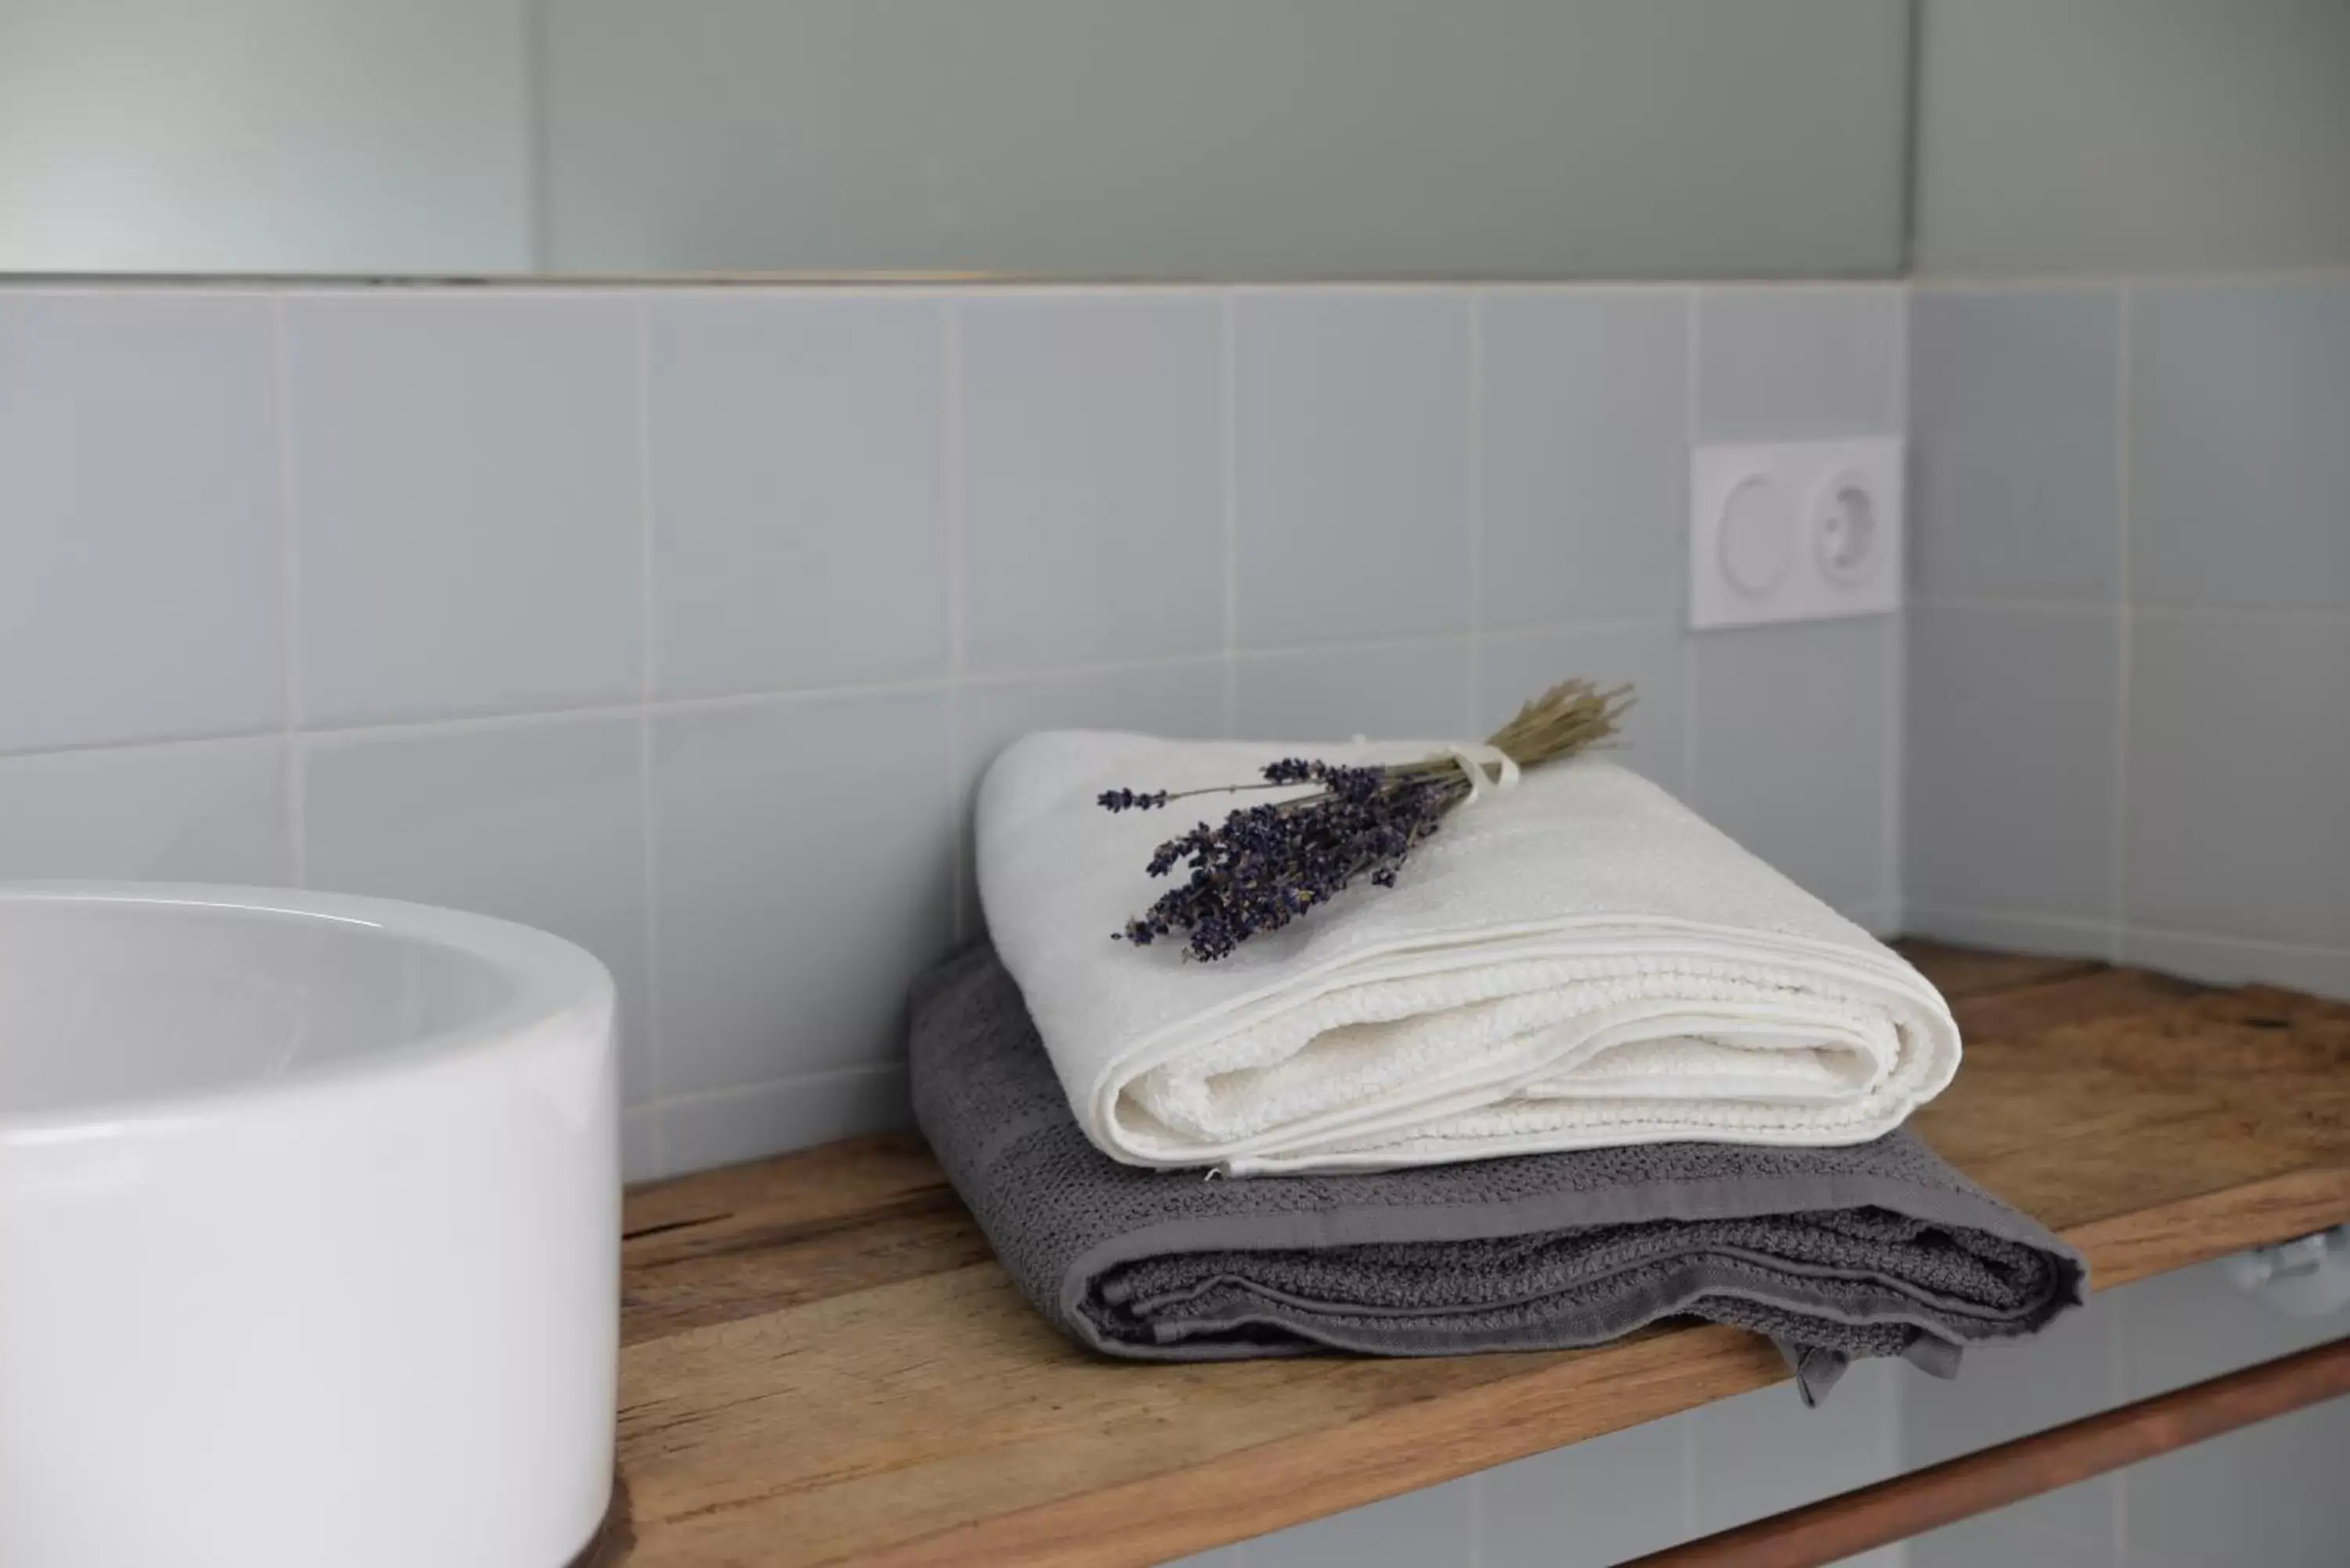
(1873, 1249)
(1580, 962)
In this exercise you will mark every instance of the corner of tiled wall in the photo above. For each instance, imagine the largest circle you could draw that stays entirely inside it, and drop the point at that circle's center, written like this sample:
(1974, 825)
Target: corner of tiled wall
(2130, 637)
(682, 621)
(2128, 719)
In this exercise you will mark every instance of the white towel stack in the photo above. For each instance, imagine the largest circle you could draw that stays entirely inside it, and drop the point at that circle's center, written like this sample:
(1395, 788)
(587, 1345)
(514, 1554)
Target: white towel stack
(1579, 961)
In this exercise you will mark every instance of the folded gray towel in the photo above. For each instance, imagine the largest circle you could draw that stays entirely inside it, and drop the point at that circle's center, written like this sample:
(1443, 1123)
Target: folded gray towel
(1874, 1249)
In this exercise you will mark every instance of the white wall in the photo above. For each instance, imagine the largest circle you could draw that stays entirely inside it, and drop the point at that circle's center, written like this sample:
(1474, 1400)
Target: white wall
(1222, 139)
(265, 136)
(2131, 135)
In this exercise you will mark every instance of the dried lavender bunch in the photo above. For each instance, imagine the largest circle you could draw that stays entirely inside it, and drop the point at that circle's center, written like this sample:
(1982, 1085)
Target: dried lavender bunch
(1269, 864)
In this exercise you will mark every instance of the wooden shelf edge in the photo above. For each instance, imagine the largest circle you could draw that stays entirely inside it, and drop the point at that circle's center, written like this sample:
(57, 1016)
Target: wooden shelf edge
(1247, 1493)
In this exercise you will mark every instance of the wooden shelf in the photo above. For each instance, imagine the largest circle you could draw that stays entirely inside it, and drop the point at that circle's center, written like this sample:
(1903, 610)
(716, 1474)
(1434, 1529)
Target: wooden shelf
(822, 1364)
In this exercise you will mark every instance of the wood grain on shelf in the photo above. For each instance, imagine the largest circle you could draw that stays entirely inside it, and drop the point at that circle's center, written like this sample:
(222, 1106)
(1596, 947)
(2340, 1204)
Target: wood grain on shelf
(823, 1365)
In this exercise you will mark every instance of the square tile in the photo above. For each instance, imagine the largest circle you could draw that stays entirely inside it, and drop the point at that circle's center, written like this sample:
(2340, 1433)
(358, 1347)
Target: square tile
(2270, 1493)
(640, 1144)
(1998, 1540)
(2240, 443)
(1586, 1505)
(2008, 774)
(1584, 445)
(1762, 1452)
(2011, 932)
(1093, 474)
(2003, 1392)
(1791, 744)
(2013, 440)
(467, 504)
(1517, 666)
(142, 539)
(802, 873)
(540, 821)
(1410, 691)
(2193, 1324)
(800, 490)
(1353, 465)
(1797, 362)
(2238, 743)
(2221, 960)
(1183, 701)
(1416, 1530)
(201, 811)
(702, 1131)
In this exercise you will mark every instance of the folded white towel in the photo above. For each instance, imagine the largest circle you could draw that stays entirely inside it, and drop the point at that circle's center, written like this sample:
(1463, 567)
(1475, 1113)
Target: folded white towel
(1578, 961)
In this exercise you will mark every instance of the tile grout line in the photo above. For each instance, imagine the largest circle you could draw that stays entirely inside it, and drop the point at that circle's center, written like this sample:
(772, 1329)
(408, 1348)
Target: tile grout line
(289, 587)
(1228, 427)
(950, 436)
(1893, 695)
(394, 729)
(2118, 1394)
(647, 682)
(1685, 651)
(1476, 510)
(2117, 831)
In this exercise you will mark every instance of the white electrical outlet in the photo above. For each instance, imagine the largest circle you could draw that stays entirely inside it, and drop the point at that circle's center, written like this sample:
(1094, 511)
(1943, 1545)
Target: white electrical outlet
(1795, 531)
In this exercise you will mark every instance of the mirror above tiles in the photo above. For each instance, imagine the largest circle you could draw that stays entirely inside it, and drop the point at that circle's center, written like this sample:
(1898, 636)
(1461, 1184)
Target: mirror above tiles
(1051, 139)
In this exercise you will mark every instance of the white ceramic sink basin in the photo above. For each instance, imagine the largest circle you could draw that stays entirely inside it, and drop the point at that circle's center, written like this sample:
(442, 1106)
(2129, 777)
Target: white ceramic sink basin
(309, 1218)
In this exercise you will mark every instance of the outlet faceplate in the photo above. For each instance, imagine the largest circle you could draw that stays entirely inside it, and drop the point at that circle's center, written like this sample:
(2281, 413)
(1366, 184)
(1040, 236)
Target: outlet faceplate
(1795, 531)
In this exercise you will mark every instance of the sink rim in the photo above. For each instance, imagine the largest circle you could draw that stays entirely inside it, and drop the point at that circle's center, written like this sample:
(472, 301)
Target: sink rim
(553, 980)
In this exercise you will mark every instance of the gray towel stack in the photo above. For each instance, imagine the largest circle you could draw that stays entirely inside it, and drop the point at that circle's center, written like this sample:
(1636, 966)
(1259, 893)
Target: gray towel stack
(1874, 1249)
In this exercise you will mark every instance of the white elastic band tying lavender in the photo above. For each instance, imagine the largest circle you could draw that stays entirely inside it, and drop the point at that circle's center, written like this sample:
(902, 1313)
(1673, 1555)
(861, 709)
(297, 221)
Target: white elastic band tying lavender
(1475, 759)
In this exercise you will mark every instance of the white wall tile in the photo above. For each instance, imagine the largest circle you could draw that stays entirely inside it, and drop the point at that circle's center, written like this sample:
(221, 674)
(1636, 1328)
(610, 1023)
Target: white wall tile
(1401, 691)
(2009, 761)
(2003, 1392)
(1215, 1557)
(199, 811)
(1790, 759)
(2240, 443)
(1588, 1504)
(800, 490)
(1761, 1452)
(2224, 960)
(540, 821)
(1797, 363)
(142, 583)
(1997, 1540)
(2014, 413)
(1585, 445)
(1416, 1530)
(1185, 699)
(1518, 666)
(735, 1124)
(466, 499)
(2006, 929)
(1353, 465)
(2270, 1493)
(1093, 463)
(641, 1143)
(2239, 744)
(803, 876)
